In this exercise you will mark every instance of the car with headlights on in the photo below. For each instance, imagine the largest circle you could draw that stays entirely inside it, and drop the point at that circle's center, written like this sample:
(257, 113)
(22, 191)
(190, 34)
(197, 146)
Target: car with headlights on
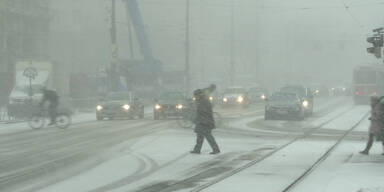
(169, 104)
(305, 94)
(235, 96)
(284, 105)
(120, 105)
(257, 94)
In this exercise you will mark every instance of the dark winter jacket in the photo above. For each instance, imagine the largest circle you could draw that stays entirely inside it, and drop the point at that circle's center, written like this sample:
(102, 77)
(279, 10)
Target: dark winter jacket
(376, 125)
(204, 116)
(51, 97)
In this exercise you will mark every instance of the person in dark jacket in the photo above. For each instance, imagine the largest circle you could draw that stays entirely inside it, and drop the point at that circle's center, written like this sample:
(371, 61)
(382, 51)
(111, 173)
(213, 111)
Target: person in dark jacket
(52, 98)
(204, 123)
(375, 128)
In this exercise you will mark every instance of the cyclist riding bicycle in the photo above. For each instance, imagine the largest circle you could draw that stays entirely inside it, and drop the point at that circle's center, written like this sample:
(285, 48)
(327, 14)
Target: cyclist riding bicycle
(52, 98)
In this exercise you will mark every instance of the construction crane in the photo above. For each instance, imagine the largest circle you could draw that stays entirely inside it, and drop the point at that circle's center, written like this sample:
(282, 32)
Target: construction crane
(147, 70)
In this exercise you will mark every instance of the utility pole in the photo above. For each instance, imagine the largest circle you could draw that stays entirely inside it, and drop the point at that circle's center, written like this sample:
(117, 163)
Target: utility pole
(232, 46)
(130, 39)
(113, 78)
(187, 44)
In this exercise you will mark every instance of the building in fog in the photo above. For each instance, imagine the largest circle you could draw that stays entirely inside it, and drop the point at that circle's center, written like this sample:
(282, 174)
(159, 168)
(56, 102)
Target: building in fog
(24, 36)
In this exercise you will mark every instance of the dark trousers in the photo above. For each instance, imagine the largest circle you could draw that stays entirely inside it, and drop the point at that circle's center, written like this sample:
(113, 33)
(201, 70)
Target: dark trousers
(370, 142)
(52, 110)
(200, 139)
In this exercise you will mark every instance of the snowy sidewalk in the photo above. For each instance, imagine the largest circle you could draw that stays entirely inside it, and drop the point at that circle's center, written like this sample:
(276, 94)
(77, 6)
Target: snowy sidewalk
(347, 170)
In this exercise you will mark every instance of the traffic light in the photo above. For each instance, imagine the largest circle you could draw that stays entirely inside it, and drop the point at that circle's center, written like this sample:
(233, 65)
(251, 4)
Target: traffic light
(377, 42)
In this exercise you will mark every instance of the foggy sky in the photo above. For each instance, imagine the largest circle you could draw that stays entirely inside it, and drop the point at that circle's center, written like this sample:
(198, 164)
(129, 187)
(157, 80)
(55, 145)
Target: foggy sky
(276, 41)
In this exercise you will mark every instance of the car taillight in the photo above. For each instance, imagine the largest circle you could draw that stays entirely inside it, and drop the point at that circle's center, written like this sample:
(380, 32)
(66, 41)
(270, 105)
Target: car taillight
(374, 93)
(357, 93)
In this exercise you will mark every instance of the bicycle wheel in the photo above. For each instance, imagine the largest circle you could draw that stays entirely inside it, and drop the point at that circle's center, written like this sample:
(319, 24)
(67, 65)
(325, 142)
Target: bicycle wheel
(36, 122)
(218, 119)
(63, 121)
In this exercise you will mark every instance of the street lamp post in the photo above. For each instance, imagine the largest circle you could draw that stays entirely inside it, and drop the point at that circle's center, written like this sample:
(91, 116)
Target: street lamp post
(187, 44)
(232, 46)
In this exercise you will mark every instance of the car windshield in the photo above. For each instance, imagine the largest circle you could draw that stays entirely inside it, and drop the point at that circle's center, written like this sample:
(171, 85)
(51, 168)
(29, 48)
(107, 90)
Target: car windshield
(118, 96)
(255, 90)
(172, 96)
(283, 97)
(298, 90)
(26, 89)
(235, 91)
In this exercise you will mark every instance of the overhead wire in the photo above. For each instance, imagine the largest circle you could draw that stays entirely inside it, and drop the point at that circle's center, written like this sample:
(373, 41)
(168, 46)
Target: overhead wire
(354, 18)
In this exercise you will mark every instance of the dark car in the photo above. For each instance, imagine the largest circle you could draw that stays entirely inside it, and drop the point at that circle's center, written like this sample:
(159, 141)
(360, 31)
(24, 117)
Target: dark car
(120, 105)
(305, 95)
(257, 94)
(235, 96)
(169, 104)
(282, 104)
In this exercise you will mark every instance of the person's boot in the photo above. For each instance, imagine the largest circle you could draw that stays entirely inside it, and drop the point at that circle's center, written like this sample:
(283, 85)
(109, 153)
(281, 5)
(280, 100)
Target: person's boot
(216, 151)
(195, 152)
(364, 152)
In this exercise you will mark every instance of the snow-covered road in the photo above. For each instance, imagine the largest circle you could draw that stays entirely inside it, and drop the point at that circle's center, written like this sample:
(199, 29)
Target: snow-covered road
(146, 155)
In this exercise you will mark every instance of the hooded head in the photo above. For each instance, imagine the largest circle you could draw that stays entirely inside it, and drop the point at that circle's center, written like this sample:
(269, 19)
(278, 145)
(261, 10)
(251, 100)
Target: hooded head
(374, 100)
(198, 93)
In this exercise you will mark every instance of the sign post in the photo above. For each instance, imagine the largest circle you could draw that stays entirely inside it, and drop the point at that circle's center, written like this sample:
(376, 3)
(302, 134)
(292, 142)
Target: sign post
(31, 73)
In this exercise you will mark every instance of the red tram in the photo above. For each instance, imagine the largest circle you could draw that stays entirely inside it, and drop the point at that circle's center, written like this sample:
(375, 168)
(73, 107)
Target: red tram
(367, 81)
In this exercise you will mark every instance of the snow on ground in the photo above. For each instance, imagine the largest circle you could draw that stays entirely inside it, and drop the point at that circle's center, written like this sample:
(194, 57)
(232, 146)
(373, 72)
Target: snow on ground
(347, 170)
(79, 117)
(162, 158)
(159, 157)
(23, 126)
(278, 171)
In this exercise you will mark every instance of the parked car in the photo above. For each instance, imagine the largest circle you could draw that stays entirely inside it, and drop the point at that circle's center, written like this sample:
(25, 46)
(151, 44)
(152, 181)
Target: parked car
(305, 94)
(120, 105)
(169, 104)
(235, 96)
(281, 104)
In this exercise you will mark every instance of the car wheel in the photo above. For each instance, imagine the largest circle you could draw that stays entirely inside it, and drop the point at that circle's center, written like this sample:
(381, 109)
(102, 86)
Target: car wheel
(156, 116)
(267, 116)
(99, 118)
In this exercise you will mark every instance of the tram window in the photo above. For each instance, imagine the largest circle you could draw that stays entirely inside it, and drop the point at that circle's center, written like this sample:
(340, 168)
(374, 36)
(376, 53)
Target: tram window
(365, 77)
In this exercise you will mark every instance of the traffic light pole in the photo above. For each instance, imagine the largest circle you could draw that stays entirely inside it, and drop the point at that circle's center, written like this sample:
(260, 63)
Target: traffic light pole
(377, 42)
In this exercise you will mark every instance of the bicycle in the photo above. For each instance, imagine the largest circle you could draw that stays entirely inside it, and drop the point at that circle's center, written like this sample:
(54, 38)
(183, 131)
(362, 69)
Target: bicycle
(38, 120)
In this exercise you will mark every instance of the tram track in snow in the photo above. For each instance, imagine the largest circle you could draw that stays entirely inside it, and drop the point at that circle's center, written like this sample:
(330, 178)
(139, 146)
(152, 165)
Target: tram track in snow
(191, 180)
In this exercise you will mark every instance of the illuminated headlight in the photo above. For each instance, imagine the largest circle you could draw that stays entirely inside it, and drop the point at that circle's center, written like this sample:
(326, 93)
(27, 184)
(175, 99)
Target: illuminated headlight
(126, 107)
(225, 100)
(262, 97)
(240, 99)
(305, 103)
(99, 108)
(317, 91)
(211, 98)
(344, 89)
(157, 106)
(180, 106)
(194, 98)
